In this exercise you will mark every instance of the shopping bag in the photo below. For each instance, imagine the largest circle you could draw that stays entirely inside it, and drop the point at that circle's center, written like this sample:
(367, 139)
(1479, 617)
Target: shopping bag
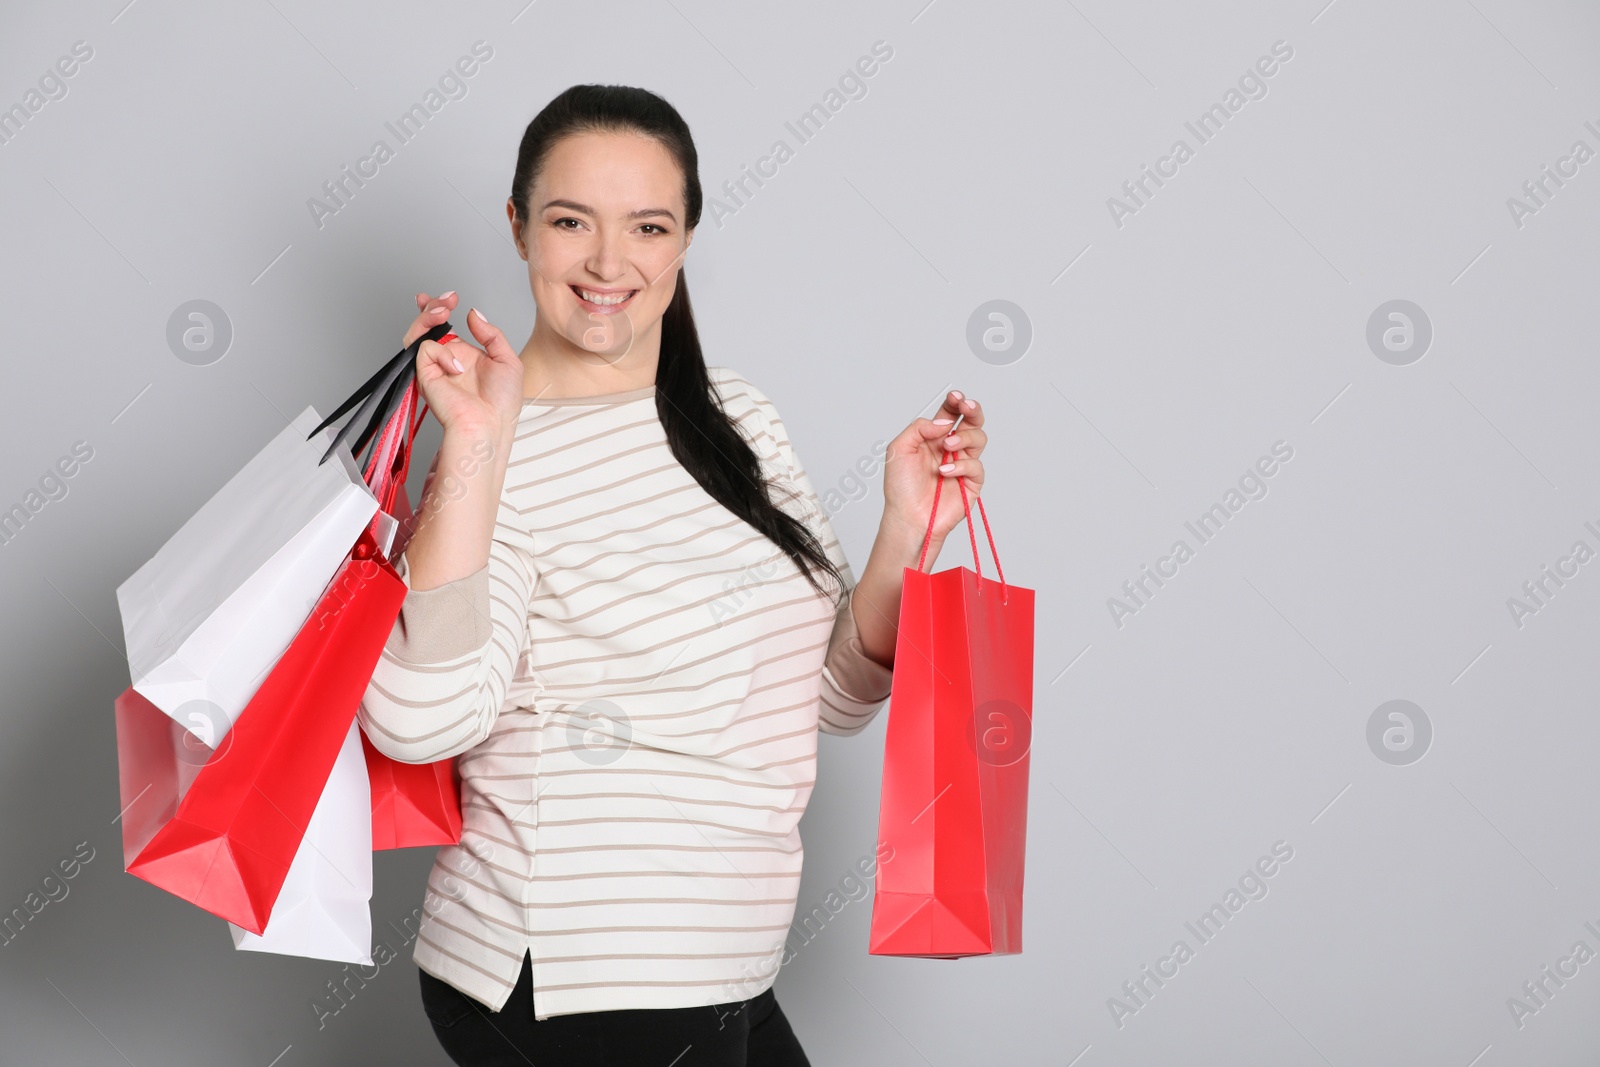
(413, 804)
(954, 800)
(210, 613)
(227, 844)
(324, 909)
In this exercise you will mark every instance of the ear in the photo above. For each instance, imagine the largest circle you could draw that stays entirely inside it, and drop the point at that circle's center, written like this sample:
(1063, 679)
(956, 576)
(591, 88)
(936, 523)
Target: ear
(516, 228)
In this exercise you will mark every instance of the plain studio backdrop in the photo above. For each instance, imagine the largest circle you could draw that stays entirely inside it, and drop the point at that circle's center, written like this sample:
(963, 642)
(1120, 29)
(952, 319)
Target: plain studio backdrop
(1340, 345)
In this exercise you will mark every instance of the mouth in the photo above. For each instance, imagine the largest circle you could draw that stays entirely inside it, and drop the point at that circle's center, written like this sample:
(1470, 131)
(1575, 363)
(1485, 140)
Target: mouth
(601, 302)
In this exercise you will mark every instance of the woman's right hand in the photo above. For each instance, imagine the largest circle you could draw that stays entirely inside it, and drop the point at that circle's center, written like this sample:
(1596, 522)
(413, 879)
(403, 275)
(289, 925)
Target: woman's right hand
(469, 389)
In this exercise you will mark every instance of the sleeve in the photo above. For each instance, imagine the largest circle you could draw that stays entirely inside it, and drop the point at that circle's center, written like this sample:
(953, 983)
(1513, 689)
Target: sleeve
(443, 675)
(854, 686)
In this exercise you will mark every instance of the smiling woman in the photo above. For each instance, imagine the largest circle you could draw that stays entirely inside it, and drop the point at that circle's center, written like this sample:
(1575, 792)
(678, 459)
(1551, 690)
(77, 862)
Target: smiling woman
(634, 765)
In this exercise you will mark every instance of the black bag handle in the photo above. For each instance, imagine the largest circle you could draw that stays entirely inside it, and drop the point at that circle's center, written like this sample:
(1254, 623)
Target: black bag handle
(379, 397)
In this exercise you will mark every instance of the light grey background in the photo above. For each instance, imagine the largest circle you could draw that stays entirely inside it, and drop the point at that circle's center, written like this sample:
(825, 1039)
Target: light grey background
(1168, 354)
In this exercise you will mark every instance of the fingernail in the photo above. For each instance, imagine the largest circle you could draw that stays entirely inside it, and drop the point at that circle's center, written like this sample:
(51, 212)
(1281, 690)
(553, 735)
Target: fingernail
(952, 440)
(447, 296)
(956, 393)
(457, 362)
(942, 422)
(480, 315)
(972, 404)
(947, 467)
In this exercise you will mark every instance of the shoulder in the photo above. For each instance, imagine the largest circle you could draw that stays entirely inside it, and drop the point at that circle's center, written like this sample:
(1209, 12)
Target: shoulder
(740, 396)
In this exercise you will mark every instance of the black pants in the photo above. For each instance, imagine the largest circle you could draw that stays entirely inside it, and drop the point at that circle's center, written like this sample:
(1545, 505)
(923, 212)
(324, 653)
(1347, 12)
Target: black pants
(740, 1033)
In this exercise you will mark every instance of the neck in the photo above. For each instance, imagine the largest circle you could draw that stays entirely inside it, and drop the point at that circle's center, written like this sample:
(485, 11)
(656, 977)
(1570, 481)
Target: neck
(554, 367)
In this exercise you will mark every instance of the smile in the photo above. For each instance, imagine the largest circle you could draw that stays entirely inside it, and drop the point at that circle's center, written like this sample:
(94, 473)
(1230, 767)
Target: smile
(603, 303)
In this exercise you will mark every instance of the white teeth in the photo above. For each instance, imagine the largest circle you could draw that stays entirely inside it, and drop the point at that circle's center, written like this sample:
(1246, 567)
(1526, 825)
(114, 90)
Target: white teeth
(605, 299)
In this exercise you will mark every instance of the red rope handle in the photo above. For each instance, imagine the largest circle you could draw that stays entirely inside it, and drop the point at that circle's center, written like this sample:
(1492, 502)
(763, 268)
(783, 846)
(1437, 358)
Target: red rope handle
(966, 509)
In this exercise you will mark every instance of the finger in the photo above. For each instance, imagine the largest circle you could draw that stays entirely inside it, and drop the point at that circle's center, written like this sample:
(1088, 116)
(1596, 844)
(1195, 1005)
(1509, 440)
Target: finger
(489, 335)
(971, 469)
(958, 403)
(967, 438)
(443, 361)
(431, 312)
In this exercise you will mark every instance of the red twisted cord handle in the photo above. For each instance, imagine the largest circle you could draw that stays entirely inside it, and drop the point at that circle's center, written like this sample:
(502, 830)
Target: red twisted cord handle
(386, 470)
(966, 508)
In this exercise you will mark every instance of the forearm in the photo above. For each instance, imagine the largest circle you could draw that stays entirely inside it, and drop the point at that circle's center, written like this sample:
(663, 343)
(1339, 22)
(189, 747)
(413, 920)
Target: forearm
(876, 599)
(456, 520)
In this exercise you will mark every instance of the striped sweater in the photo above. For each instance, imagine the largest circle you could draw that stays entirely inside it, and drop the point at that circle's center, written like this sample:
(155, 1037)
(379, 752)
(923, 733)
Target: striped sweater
(632, 687)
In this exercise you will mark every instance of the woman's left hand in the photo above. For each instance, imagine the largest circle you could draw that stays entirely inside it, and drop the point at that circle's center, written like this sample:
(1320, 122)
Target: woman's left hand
(912, 468)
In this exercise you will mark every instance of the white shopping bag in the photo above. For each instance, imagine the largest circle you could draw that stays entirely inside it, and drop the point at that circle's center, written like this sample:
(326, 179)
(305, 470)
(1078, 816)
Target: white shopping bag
(206, 619)
(324, 909)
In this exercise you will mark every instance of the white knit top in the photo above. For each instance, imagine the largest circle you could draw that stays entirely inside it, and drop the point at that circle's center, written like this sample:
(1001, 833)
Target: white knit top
(633, 684)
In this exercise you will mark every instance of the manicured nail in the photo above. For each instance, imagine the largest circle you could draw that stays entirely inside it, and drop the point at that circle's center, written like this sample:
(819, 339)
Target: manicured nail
(952, 440)
(956, 393)
(973, 404)
(481, 319)
(447, 296)
(942, 422)
(459, 368)
(947, 467)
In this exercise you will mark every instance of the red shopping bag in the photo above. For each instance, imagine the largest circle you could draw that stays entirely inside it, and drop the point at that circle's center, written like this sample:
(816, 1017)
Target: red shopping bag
(954, 803)
(413, 804)
(226, 842)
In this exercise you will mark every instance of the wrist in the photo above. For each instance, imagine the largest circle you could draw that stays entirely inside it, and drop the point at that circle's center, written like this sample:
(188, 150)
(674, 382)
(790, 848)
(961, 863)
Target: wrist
(900, 538)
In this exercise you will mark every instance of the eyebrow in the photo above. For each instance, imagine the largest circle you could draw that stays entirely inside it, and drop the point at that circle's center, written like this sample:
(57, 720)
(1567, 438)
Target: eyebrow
(644, 212)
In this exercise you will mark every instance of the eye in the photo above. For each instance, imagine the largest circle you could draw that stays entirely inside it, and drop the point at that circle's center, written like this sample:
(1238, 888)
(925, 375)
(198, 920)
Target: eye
(566, 218)
(656, 228)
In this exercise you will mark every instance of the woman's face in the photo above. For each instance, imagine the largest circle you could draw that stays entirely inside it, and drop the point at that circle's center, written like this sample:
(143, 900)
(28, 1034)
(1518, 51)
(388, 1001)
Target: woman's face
(604, 239)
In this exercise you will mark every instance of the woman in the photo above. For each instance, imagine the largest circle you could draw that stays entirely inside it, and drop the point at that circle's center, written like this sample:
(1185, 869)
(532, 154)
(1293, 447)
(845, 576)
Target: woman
(628, 615)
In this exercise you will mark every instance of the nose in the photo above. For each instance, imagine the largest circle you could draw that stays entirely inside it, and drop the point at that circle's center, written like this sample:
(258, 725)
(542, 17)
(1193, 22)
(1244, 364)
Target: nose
(606, 260)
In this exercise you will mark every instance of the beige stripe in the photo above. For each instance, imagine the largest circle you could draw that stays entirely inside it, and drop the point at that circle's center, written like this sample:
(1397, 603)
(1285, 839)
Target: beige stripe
(490, 945)
(654, 847)
(704, 902)
(612, 820)
(551, 931)
(419, 738)
(545, 553)
(592, 957)
(589, 492)
(547, 796)
(536, 877)
(626, 505)
(682, 638)
(422, 935)
(722, 551)
(572, 472)
(684, 667)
